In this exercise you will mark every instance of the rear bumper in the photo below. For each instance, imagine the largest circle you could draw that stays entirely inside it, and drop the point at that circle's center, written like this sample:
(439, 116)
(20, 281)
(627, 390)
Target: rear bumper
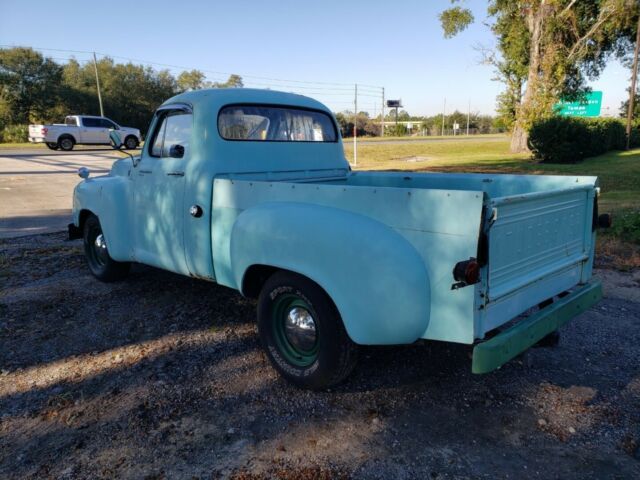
(490, 355)
(36, 139)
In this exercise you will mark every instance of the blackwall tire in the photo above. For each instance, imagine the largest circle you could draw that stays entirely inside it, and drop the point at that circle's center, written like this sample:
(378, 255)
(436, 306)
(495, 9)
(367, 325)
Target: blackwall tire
(302, 333)
(102, 266)
(131, 142)
(66, 143)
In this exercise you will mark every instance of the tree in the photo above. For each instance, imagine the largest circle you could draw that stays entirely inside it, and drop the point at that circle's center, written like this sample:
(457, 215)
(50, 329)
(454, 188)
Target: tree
(130, 93)
(547, 49)
(624, 108)
(234, 81)
(29, 84)
(191, 80)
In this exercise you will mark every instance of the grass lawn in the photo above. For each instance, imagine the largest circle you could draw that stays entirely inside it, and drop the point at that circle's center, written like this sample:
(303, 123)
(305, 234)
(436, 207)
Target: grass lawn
(497, 136)
(22, 145)
(619, 174)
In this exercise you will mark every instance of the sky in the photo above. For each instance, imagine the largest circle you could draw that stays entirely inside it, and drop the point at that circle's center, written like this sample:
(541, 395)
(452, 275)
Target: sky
(330, 44)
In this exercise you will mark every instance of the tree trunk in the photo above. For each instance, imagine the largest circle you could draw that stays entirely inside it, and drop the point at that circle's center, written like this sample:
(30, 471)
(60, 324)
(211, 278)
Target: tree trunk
(519, 140)
(520, 135)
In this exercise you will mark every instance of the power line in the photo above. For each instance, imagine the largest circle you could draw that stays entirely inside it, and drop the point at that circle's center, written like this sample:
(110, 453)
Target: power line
(191, 68)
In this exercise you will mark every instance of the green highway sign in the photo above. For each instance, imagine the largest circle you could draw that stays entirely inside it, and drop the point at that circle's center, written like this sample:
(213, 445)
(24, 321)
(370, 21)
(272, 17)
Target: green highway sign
(589, 106)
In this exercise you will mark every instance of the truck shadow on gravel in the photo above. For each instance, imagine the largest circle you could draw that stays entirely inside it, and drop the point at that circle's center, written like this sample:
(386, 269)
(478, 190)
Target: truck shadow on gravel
(162, 376)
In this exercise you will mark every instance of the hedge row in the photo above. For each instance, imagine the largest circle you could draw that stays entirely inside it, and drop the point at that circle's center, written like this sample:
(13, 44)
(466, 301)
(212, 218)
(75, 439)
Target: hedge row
(14, 134)
(570, 139)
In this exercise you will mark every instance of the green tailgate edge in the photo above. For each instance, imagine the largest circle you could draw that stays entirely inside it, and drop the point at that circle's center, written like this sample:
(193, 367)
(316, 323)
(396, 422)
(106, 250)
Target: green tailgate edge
(489, 355)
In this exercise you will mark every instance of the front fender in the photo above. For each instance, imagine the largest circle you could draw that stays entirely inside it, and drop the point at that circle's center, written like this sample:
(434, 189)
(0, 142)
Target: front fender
(107, 197)
(375, 277)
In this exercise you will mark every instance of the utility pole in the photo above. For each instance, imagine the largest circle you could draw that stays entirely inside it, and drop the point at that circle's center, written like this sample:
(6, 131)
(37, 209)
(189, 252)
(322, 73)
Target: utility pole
(355, 128)
(632, 91)
(444, 108)
(382, 116)
(468, 115)
(95, 66)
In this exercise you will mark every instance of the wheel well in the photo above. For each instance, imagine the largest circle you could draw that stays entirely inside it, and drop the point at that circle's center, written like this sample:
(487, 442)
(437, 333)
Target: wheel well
(254, 278)
(131, 136)
(84, 214)
(66, 135)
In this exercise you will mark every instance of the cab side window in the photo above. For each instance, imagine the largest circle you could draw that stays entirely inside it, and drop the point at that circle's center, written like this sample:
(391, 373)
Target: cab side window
(174, 130)
(107, 123)
(91, 122)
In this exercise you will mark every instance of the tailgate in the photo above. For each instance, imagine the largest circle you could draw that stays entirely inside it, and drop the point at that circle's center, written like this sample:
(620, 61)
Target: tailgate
(36, 131)
(538, 235)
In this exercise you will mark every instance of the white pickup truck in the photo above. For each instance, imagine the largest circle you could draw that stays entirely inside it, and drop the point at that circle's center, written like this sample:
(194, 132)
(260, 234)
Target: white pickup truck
(82, 130)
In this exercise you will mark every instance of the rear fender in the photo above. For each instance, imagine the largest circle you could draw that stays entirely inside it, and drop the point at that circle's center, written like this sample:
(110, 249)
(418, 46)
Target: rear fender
(376, 278)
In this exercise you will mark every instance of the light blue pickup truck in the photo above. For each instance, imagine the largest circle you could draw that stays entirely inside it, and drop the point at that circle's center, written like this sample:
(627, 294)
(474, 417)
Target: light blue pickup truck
(251, 189)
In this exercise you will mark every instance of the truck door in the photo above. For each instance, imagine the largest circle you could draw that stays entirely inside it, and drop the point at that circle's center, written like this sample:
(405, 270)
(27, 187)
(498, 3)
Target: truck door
(159, 182)
(107, 126)
(92, 131)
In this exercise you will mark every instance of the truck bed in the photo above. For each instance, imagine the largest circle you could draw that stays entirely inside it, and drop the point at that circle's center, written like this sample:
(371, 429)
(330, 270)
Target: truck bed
(535, 232)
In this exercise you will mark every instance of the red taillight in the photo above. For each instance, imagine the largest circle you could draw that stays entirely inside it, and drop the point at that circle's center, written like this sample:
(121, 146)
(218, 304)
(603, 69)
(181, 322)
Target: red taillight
(467, 271)
(44, 130)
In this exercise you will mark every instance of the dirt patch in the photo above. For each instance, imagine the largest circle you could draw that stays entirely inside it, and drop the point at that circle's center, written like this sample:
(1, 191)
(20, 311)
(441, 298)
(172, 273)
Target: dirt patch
(162, 376)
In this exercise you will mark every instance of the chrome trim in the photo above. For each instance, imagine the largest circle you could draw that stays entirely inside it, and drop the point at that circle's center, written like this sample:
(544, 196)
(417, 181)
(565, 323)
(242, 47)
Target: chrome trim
(100, 243)
(300, 329)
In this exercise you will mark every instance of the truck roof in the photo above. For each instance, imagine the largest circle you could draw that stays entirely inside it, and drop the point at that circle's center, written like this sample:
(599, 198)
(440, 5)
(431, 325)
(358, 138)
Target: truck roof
(215, 98)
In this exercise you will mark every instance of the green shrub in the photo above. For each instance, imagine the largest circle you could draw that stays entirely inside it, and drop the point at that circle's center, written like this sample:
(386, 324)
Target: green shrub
(14, 134)
(635, 134)
(569, 139)
(626, 226)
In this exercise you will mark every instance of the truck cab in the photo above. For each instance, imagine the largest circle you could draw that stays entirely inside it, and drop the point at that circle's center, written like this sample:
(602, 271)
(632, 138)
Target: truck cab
(251, 189)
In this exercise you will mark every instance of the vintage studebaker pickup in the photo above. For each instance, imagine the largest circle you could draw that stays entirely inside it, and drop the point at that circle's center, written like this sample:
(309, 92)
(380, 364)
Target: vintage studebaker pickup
(251, 189)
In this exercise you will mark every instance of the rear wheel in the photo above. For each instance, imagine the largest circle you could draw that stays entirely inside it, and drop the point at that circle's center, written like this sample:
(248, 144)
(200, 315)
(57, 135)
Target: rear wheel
(302, 332)
(66, 143)
(52, 145)
(102, 266)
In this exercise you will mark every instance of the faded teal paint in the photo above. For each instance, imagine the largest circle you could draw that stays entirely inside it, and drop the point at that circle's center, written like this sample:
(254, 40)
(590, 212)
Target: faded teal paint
(382, 298)
(383, 245)
(442, 226)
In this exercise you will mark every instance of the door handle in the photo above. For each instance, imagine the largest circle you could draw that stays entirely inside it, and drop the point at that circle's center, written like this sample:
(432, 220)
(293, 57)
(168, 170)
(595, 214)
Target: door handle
(176, 174)
(142, 172)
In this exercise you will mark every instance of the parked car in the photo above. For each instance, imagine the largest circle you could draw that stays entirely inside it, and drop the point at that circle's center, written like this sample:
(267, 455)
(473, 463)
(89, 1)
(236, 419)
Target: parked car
(251, 189)
(82, 130)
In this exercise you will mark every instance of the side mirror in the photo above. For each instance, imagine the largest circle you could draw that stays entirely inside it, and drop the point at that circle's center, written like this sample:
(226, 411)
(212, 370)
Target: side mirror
(114, 139)
(176, 151)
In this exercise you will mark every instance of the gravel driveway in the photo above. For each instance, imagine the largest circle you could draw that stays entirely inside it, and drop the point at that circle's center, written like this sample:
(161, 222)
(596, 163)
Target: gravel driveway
(161, 376)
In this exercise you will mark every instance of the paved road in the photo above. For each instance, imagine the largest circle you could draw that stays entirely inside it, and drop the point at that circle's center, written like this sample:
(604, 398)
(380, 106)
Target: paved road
(36, 187)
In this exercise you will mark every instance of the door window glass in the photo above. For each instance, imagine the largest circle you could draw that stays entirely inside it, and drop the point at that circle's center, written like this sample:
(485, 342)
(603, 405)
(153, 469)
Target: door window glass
(107, 123)
(91, 122)
(175, 129)
(177, 132)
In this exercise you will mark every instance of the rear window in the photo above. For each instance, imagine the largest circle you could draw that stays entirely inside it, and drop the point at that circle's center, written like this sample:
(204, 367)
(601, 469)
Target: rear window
(275, 124)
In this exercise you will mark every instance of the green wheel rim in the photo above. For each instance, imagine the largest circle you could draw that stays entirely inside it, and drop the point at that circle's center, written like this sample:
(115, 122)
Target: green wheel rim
(294, 354)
